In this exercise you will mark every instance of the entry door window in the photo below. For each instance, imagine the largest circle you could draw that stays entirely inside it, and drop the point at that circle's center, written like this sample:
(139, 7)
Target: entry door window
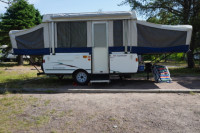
(100, 35)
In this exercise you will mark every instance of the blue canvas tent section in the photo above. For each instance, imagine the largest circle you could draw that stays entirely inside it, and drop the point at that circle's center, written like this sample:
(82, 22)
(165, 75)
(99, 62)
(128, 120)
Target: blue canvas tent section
(155, 38)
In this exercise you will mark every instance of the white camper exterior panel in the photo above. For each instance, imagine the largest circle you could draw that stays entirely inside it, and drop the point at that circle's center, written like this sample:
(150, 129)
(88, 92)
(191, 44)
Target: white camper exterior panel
(123, 63)
(66, 63)
(69, 63)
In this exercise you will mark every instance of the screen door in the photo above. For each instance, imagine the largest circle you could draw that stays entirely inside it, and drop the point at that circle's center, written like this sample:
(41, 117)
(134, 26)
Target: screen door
(100, 48)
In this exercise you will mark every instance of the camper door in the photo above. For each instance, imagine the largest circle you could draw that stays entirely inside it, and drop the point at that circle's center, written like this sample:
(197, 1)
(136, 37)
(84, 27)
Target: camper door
(100, 58)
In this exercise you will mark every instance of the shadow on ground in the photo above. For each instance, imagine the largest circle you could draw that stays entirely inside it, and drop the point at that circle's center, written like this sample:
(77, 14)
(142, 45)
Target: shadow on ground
(190, 82)
(51, 85)
(54, 85)
(120, 84)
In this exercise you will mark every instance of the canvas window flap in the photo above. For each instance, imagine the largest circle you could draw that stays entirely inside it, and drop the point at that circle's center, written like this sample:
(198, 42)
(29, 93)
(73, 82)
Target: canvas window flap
(63, 34)
(118, 32)
(71, 34)
(32, 40)
(157, 37)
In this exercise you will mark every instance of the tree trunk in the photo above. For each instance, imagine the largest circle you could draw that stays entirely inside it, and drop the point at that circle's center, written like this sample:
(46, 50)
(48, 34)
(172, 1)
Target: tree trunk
(190, 56)
(165, 58)
(190, 59)
(20, 59)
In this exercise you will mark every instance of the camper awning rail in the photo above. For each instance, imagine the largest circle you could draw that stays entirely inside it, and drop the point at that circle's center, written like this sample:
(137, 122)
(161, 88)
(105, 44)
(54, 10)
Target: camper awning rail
(89, 16)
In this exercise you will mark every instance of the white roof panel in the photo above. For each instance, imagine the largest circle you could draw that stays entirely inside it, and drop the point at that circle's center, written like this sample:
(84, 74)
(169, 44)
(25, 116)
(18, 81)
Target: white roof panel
(90, 16)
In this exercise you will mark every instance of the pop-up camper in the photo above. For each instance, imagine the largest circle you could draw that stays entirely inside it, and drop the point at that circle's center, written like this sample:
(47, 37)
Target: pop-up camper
(92, 46)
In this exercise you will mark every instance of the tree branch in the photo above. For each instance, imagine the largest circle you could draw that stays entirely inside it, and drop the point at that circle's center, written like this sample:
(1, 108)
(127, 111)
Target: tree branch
(5, 2)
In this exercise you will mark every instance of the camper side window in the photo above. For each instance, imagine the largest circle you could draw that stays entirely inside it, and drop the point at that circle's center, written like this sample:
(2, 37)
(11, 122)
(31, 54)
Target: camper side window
(71, 34)
(118, 32)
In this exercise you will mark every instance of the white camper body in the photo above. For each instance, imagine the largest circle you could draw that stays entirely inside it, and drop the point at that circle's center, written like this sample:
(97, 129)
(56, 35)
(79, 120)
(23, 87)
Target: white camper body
(118, 63)
(95, 45)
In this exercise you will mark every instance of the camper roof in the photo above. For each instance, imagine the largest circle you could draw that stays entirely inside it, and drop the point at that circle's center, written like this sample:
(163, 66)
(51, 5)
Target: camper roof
(90, 16)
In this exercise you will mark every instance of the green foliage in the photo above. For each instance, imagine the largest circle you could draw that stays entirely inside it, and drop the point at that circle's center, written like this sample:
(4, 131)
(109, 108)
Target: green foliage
(181, 9)
(184, 71)
(170, 12)
(19, 15)
(164, 57)
(164, 18)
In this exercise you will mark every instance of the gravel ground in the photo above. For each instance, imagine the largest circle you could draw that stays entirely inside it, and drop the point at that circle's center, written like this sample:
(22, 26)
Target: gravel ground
(118, 113)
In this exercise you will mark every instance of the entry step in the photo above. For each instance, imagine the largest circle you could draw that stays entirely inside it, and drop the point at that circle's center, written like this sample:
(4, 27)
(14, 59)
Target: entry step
(99, 81)
(100, 78)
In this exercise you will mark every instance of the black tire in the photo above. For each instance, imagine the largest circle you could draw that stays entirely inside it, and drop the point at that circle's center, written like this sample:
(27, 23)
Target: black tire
(81, 77)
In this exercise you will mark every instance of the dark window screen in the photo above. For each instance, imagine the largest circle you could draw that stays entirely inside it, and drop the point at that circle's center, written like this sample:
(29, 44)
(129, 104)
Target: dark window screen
(78, 34)
(72, 34)
(118, 32)
(32, 40)
(63, 34)
(155, 37)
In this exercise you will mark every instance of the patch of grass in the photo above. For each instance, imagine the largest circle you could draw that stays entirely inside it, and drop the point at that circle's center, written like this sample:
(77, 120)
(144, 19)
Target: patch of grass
(80, 122)
(33, 99)
(66, 113)
(185, 71)
(47, 102)
(53, 131)
(112, 119)
(50, 91)
(68, 123)
(91, 117)
(14, 79)
(6, 92)
(192, 93)
(70, 112)
(8, 64)
(173, 63)
(53, 111)
(11, 64)
(40, 120)
(27, 79)
(12, 108)
(62, 114)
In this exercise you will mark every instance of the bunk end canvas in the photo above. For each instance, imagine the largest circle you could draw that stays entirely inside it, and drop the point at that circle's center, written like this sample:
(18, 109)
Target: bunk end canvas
(34, 41)
(156, 38)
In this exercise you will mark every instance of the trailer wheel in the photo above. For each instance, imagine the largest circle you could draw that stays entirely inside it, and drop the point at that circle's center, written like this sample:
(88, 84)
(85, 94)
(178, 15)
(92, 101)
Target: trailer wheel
(81, 77)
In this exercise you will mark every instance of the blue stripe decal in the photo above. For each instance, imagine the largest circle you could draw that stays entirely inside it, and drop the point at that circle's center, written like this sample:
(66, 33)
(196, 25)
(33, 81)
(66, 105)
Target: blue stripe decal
(116, 49)
(44, 51)
(138, 50)
(74, 50)
(148, 50)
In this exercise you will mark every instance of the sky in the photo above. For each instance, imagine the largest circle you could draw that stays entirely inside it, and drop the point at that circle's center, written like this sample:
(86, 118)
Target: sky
(74, 6)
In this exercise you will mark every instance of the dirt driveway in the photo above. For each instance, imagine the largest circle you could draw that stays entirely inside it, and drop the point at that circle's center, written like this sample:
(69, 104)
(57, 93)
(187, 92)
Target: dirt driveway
(119, 113)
